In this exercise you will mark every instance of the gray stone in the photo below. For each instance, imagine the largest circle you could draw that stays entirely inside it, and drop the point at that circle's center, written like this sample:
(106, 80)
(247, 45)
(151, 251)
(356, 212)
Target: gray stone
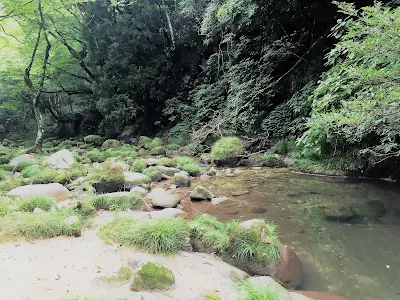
(250, 223)
(142, 296)
(201, 193)
(205, 177)
(215, 201)
(55, 190)
(163, 198)
(151, 162)
(139, 190)
(182, 180)
(134, 178)
(166, 213)
(28, 158)
(37, 210)
(123, 165)
(62, 159)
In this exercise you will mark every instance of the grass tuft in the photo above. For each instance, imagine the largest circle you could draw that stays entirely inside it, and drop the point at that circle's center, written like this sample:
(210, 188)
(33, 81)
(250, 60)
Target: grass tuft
(28, 204)
(116, 202)
(251, 292)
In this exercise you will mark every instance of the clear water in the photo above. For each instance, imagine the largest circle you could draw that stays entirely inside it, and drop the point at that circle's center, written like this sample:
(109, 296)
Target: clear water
(357, 261)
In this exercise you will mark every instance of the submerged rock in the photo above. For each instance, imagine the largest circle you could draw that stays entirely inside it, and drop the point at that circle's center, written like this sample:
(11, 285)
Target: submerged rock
(371, 209)
(152, 276)
(201, 193)
(62, 159)
(163, 198)
(55, 190)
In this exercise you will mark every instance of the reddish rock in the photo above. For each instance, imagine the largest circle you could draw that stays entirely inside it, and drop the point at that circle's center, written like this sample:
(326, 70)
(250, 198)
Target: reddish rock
(317, 295)
(290, 270)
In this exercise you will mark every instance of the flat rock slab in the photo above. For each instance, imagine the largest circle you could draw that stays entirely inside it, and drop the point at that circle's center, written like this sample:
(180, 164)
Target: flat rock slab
(62, 159)
(55, 190)
(163, 198)
(28, 158)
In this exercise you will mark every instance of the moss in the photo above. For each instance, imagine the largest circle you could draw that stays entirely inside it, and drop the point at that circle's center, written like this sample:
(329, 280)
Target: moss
(2, 174)
(158, 151)
(227, 147)
(123, 275)
(139, 165)
(154, 173)
(111, 144)
(152, 276)
(201, 193)
(212, 295)
(117, 202)
(166, 162)
(30, 203)
(192, 169)
(93, 139)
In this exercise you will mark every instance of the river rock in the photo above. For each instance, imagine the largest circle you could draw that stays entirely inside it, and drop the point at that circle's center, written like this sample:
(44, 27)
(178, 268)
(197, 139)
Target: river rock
(139, 190)
(290, 269)
(62, 159)
(55, 190)
(166, 213)
(271, 284)
(181, 179)
(315, 295)
(163, 198)
(27, 158)
(201, 193)
(335, 212)
(151, 276)
(371, 209)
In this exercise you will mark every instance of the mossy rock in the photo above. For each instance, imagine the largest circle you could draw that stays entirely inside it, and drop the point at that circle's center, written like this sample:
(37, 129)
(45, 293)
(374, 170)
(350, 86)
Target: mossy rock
(227, 148)
(169, 171)
(152, 276)
(166, 162)
(154, 173)
(111, 144)
(192, 169)
(139, 165)
(7, 143)
(93, 140)
(182, 180)
(158, 151)
(119, 278)
(111, 178)
(135, 178)
(201, 193)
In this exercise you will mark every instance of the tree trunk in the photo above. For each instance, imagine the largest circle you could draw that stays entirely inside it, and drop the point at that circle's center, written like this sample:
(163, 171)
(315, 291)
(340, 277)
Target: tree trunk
(39, 115)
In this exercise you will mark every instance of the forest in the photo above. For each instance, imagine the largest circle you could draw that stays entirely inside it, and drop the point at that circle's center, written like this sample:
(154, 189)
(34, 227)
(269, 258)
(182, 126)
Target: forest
(316, 79)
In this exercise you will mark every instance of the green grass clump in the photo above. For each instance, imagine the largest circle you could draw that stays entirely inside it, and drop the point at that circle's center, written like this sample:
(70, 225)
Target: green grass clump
(166, 162)
(2, 174)
(41, 175)
(270, 156)
(173, 146)
(251, 292)
(28, 204)
(96, 155)
(22, 166)
(165, 235)
(8, 185)
(227, 147)
(29, 226)
(212, 295)
(158, 151)
(116, 202)
(187, 164)
(139, 165)
(152, 276)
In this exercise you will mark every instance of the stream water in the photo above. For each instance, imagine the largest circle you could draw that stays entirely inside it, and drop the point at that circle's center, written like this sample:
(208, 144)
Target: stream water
(358, 259)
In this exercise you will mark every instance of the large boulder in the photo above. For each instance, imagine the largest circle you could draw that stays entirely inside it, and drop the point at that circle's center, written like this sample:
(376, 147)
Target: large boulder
(334, 212)
(24, 158)
(62, 159)
(201, 193)
(163, 198)
(181, 179)
(111, 179)
(369, 210)
(55, 190)
(152, 276)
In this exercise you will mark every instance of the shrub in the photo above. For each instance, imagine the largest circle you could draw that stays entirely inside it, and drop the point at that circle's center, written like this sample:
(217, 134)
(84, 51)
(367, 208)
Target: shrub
(166, 162)
(166, 235)
(5, 157)
(139, 165)
(187, 164)
(111, 144)
(227, 147)
(96, 155)
(173, 146)
(283, 147)
(30, 203)
(158, 151)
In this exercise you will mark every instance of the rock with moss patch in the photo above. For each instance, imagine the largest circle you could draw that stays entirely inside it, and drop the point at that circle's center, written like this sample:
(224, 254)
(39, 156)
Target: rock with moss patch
(201, 193)
(163, 198)
(166, 162)
(182, 180)
(154, 173)
(111, 144)
(110, 179)
(211, 172)
(152, 276)
(114, 278)
(24, 158)
(158, 151)
(138, 189)
(226, 151)
(93, 139)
